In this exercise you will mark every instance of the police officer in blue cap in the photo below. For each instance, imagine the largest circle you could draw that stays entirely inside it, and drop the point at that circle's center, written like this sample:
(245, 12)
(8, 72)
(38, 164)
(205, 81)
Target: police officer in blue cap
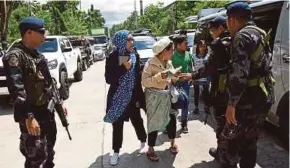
(248, 91)
(217, 68)
(29, 90)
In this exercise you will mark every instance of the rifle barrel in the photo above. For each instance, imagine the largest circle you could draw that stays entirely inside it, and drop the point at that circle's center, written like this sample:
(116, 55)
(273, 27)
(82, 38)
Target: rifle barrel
(68, 133)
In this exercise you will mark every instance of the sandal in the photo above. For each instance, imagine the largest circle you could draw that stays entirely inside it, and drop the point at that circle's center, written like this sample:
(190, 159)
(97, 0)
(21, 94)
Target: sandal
(174, 149)
(152, 156)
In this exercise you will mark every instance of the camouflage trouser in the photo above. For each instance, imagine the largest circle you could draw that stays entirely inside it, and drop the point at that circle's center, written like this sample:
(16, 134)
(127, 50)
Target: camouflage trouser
(38, 151)
(238, 144)
(219, 112)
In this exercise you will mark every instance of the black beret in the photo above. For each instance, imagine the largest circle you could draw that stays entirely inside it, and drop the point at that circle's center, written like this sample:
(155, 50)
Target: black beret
(219, 20)
(238, 8)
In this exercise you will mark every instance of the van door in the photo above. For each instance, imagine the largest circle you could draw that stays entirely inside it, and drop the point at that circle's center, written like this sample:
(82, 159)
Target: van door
(285, 45)
(277, 60)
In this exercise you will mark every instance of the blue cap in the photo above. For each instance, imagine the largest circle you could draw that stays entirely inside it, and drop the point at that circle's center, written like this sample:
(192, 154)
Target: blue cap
(32, 23)
(219, 20)
(238, 8)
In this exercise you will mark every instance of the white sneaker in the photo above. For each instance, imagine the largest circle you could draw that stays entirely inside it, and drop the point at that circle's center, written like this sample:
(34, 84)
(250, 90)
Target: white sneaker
(143, 148)
(114, 160)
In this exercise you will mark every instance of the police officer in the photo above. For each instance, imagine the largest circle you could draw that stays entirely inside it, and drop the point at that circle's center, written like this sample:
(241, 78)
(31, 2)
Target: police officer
(217, 68)
(247, 105)
(29, 91)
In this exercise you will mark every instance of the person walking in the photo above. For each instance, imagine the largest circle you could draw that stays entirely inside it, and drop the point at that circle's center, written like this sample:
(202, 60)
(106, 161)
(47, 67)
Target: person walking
(157, 80)
(125, 95)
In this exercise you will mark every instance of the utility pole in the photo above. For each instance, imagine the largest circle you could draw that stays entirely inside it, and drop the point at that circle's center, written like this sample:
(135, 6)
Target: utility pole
(135, 14)
(29, 8)
(80, 5)
(141, 7)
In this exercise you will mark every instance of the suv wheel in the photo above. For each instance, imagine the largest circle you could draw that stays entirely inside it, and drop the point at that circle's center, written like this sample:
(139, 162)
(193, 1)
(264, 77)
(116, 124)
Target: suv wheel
(78, 75)
(64, 85)
(88, 62)
(85, 65)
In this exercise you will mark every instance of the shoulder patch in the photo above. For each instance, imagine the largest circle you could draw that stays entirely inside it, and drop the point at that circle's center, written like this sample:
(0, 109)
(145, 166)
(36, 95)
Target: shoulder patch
(13, 60)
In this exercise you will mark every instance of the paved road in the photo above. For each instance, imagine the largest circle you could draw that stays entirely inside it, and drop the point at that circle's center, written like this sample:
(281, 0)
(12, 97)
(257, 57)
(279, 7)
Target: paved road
(91, 144)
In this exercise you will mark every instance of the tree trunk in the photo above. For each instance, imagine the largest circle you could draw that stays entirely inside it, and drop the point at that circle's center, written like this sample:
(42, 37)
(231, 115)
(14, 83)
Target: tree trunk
(6, 8)
(3, 12)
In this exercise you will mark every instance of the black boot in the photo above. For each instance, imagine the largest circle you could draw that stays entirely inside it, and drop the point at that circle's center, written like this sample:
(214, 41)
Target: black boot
(184, 128)
(213, 153)
(228, 166)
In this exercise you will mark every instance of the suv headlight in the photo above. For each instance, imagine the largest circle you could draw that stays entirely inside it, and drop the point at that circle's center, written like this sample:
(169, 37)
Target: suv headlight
(52, 64)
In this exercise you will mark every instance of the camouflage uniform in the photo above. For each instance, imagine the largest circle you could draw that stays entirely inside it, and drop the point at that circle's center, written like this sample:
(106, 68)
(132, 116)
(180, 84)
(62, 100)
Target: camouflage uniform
(217, 67)
(28, 89)
(238, 144)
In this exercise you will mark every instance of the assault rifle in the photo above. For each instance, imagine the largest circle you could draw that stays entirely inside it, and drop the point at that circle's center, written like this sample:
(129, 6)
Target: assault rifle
(55, 102)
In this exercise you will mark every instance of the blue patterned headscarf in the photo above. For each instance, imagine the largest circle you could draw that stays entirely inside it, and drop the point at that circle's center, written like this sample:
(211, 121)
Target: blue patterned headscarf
(123, 95)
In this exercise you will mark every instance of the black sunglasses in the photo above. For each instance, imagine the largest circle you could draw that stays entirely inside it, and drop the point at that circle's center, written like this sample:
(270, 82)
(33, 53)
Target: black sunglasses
(39, 31)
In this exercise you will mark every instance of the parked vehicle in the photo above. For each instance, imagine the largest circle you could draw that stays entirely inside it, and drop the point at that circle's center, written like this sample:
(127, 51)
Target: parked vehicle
(86, 50)
(98, 53)
(190, 40)
(102, 40)
(272, 15)
(144, 46)
(64, 61)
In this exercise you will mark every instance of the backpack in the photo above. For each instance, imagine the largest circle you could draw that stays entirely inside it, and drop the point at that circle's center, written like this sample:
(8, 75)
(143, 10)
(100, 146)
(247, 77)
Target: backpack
(262, 56)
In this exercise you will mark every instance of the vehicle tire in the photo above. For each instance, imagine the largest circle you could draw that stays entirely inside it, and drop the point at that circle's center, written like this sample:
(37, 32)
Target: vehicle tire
(78, 75)
(64, 85)
(85, 65)
(283, 113)
(95, 59)
(88, 62)
(92, 59)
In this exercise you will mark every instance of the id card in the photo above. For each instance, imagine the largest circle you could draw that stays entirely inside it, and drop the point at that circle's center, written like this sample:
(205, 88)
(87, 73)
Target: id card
(122, 59)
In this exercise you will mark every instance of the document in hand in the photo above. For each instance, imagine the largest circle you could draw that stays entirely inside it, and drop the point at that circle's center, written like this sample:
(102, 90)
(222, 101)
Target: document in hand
(172, 72)
(122, 59)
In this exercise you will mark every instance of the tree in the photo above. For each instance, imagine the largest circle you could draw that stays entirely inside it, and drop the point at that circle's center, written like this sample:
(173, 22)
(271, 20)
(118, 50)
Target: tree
(6, 8)
(164, 20)
(61, 17)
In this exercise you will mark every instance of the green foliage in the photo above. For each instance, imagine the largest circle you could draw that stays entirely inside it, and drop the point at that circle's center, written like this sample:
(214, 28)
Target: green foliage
(61, 17)
(164, 20)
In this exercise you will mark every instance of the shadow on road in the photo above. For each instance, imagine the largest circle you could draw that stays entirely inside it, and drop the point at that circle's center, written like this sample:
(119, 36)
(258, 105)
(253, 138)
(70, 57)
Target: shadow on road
(5, 107)
(133, 159)
(204, 164)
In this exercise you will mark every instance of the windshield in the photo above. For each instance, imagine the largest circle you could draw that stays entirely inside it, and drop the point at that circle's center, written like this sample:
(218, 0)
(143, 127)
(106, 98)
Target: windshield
(100, 40)
(144, 44)
(76, 43)
(190, 40)
(49, 45)
(97, 48)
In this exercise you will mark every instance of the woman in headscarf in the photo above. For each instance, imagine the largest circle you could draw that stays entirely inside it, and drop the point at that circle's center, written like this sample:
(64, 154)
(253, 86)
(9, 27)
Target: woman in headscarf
(157, 79)
(125, 95)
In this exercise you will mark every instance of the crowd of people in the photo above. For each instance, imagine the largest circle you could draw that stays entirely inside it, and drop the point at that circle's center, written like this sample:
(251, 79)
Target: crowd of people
(225, 74)
(236, 69)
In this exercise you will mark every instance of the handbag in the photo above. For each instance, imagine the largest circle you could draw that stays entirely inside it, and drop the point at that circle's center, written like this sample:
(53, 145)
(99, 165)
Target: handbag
(174, 94)
(182, 99)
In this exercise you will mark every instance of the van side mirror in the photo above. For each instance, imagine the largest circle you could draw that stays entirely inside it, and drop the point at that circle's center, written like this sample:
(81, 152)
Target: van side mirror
(66, 49)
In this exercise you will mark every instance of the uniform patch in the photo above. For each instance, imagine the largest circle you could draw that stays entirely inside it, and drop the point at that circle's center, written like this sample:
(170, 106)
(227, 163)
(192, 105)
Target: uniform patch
(13, 61)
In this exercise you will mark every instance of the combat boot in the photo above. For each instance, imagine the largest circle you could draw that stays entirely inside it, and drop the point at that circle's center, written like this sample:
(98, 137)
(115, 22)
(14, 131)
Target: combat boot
(213, 152)
(228, 166)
